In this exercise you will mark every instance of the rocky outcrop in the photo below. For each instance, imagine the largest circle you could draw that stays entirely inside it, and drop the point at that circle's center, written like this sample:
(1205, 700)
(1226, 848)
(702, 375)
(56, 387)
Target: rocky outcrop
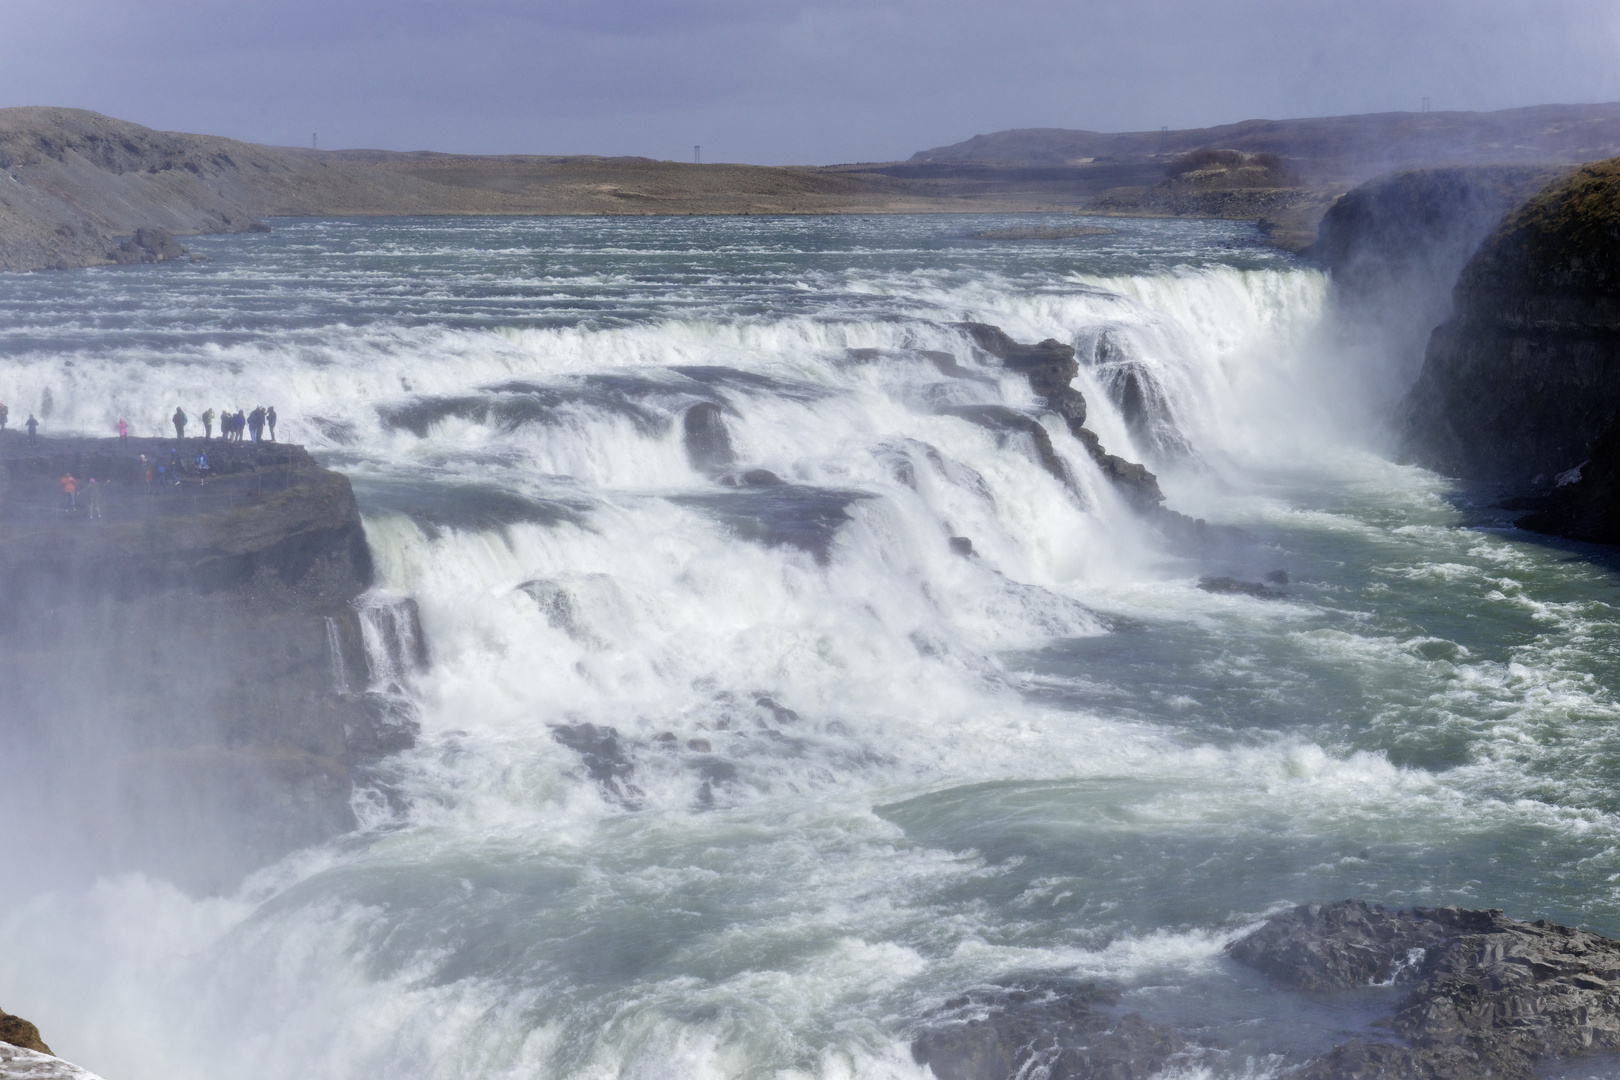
(1054, 1027)
(1520, 381)
(708, 444)
(1490, 996)
(1394, 247)
(149, 246)
(1585, 501)
(1051, 367)
(19, 1032)
(193, 684)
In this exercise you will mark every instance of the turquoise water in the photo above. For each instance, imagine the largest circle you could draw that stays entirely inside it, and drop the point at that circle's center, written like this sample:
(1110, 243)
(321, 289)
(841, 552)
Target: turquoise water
(1059, 755)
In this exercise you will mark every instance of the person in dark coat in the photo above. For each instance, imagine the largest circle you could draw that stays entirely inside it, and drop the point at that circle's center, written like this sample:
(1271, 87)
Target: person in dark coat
(179, 422)
(269, 418)
(5, 414)
(33, 428)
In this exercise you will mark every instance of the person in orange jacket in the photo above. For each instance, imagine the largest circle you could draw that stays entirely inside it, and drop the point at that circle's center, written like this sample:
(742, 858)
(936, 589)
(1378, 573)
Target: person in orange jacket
(70, 488)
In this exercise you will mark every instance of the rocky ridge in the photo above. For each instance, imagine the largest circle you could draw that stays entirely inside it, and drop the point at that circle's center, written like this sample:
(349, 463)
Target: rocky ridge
(77, 187)
(195, 680)
(1472, 994)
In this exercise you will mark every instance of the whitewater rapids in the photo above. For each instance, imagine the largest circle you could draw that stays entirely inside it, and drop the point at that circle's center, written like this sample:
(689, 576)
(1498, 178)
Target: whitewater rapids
(721, 780)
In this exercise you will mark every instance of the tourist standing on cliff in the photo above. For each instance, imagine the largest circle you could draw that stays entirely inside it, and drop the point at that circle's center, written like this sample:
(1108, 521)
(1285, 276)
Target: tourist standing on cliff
(5, 414)
(256, 422)
(208, 424)
(33, 428)
(179, 422)
(123, 432)
(70, 488)
(269, 417)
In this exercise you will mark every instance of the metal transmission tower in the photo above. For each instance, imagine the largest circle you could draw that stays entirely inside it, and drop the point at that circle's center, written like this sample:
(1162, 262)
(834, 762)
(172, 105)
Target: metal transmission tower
(1425, 104)
(697, 155)
(314, 140)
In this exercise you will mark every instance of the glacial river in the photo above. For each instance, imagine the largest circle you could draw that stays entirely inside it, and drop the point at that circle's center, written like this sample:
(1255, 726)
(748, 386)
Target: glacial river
(851, 772)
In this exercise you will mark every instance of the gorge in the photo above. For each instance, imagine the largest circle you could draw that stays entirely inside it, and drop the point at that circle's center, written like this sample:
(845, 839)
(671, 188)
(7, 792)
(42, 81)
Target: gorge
(813, 646)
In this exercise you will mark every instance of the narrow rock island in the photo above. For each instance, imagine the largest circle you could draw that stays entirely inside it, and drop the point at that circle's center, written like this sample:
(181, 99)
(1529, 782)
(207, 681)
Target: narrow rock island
(193, 678)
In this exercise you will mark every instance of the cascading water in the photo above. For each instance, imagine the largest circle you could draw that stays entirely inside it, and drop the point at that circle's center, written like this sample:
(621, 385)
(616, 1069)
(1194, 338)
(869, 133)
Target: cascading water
(733, 763)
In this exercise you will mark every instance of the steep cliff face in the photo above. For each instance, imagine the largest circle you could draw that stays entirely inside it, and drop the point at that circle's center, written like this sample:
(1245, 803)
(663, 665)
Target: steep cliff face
(1395, 246)
(191, 683)
(1520, 381)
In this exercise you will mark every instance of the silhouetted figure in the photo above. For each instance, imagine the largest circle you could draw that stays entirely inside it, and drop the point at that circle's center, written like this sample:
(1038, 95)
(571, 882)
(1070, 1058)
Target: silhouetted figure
(33, 429)
(123, 431)
(208, 424)
(5, 414)
(70, 488)
(179, 422)
(269, 416)
(256, 422)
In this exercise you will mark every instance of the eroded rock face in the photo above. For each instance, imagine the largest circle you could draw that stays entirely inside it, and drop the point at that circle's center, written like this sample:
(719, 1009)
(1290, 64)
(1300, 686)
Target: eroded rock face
(1052, 1027)
(19, 1032)
(1050, 366)
(1585, 502)
(1517, 385)
(186, 682)
(1490, 996)
(708, 444)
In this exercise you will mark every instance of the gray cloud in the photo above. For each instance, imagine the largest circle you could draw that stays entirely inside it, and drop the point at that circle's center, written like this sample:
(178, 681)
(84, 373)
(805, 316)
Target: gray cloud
(781, 80)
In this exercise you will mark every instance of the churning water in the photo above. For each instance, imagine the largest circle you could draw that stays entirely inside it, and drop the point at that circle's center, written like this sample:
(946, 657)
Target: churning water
(721, 779)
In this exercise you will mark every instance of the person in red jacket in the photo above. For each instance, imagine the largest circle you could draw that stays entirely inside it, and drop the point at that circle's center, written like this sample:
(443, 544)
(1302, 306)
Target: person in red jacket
(70, 488)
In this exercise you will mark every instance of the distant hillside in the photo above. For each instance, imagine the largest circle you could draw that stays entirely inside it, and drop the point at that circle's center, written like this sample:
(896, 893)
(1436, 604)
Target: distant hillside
(1324, 149)
(72, 181)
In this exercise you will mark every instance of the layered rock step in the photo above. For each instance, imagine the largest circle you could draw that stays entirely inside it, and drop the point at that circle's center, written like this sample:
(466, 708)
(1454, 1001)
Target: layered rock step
(189, 665)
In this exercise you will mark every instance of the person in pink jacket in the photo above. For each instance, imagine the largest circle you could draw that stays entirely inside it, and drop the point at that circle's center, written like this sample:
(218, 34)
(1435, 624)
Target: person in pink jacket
(123, 430)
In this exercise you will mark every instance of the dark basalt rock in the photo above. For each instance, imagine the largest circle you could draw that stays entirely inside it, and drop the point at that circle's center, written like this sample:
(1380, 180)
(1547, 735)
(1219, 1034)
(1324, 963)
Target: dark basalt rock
(1050, 367)
(1526, 375)
(961, 545)
(19, 1032)
(1051, 1027)
(708, 444)
(1000, 418)
(186, 683)
(602, 753)
(1244, 588)
(1490, 996)
(148, 246)
(1587, 506)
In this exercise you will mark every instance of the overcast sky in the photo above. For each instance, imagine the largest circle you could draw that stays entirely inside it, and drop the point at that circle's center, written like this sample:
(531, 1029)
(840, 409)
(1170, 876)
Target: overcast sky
(781, 81)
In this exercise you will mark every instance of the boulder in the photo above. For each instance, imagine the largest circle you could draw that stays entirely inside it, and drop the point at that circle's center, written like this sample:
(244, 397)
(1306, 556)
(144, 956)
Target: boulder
(708, 444)
(1050, 1026)
(1490, 996)
(148, 246)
